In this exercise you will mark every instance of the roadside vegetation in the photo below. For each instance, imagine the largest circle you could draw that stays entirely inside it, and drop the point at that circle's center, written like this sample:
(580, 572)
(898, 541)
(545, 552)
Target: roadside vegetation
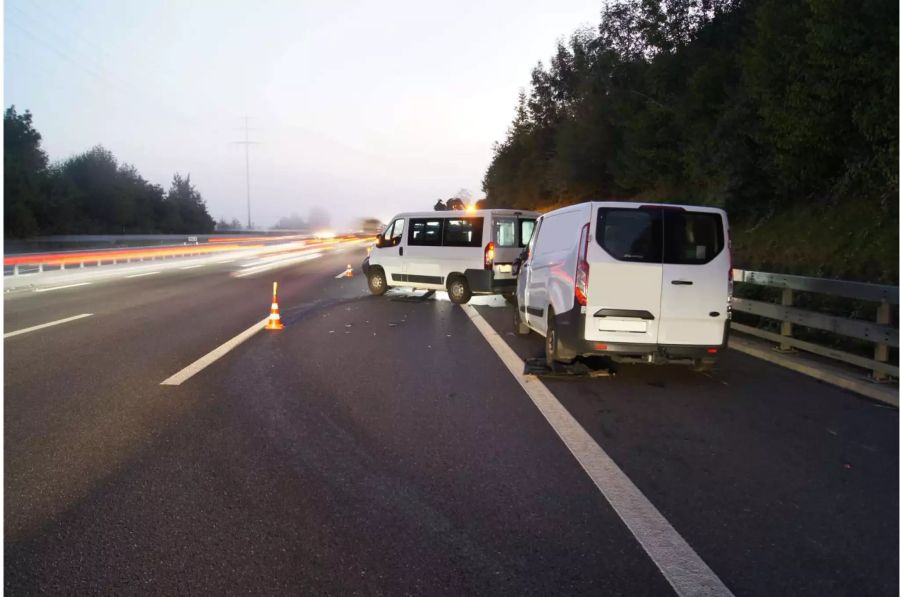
(783, 112)
(90, 193)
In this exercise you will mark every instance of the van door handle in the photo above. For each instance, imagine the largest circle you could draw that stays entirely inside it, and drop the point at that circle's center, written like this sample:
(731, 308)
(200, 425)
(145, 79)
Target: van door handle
(401, 251)
(682, 282)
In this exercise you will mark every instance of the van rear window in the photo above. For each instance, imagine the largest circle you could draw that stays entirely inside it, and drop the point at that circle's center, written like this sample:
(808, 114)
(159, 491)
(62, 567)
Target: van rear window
(692, 237)
(505, 232)
(630, 234)
(463, 232)
(526, 229)
(674, 236)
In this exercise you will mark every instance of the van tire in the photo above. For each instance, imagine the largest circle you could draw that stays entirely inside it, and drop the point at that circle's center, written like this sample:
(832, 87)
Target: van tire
(521, 328)
(458, 289)
(552, 348)
(377, 281)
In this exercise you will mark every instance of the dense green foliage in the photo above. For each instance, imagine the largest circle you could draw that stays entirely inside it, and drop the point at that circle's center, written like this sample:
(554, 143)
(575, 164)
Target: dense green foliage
(91, 193)
(760, 107)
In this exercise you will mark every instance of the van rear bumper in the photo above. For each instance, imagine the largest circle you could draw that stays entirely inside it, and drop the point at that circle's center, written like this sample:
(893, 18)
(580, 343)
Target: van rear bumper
(570, 331)
(482, 281)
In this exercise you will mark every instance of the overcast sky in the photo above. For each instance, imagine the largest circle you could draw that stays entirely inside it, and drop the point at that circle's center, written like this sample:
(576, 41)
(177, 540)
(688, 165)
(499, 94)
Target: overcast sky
(363, 108)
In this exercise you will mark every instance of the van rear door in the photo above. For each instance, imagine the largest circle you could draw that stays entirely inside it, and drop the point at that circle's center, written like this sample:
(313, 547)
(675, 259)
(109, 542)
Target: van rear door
(625, 279)
(696, 263)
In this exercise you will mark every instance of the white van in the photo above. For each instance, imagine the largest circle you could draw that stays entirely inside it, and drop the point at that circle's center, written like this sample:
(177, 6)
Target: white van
(637, 282)
(462, 252)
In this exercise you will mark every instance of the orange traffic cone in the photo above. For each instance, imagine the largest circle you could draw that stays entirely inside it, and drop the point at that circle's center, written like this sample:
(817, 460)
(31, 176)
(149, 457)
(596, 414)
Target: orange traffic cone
(349, 272)
(274, 322)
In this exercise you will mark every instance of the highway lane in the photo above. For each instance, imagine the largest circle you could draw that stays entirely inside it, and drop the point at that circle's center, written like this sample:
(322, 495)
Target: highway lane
(377, 445)
(784, 485)
(80, 396)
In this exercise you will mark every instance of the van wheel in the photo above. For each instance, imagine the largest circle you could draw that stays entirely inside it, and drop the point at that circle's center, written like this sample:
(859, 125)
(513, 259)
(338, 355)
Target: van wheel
(458, 289)
(377, 281)
(552, 345)
(521, 328)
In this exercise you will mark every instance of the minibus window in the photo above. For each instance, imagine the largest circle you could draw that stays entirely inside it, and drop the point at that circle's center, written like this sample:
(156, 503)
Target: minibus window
(630, 234)
(505, 232)
(425, 232)
(692, 237)
(463, 232)
(526, 228)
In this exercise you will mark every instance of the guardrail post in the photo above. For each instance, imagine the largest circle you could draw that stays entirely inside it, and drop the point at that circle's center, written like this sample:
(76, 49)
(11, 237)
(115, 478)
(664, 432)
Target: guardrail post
(787, 328)
(882, 351)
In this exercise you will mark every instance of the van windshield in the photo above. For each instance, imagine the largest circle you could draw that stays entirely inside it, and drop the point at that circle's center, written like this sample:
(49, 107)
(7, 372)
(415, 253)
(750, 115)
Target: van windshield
(674, 236)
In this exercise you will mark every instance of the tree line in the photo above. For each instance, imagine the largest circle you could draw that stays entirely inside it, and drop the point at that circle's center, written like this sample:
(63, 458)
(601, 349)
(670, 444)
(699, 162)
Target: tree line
(751, 106)
(90, 193)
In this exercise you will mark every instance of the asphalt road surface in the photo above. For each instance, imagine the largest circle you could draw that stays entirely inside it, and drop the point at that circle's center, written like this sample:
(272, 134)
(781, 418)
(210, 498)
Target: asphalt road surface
(381, 446)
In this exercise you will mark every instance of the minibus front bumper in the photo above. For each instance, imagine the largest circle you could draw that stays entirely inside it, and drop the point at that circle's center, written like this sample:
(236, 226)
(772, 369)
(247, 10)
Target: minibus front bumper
(483, 281)
(570, 328)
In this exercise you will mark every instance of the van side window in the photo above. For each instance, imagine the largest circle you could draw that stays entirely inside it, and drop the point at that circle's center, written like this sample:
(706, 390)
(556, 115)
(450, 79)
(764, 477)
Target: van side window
(631, 234)
(505, 232)
(425, 232)
(526, 228)
(463, 232)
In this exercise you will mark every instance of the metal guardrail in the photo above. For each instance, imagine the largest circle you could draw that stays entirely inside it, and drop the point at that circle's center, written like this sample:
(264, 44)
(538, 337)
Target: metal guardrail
(881, 332)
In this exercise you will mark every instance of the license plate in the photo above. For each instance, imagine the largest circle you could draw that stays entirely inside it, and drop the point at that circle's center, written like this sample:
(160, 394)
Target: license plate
(605, 324)
(504, 268)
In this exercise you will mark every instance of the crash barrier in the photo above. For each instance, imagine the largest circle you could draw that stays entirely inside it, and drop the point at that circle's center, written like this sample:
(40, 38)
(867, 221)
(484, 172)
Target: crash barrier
(882, 332)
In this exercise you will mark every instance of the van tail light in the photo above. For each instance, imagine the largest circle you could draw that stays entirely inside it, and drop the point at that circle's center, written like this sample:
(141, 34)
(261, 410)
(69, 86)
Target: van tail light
(582, 269)
(489, 256)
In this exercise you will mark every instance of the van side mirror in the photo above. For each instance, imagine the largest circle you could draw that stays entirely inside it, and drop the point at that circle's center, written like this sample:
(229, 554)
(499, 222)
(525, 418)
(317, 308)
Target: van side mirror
(379, 241)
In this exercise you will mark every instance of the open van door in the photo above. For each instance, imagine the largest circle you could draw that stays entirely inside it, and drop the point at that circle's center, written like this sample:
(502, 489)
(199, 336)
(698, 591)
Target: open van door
(626, 271)
(696, 267)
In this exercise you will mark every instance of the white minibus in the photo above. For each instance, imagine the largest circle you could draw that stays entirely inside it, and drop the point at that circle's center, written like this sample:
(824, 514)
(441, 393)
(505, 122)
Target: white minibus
(462, 252)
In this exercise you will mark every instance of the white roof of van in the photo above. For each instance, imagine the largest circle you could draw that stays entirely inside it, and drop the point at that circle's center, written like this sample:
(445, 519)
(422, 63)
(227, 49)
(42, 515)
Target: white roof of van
(455, 213)
(634, 204)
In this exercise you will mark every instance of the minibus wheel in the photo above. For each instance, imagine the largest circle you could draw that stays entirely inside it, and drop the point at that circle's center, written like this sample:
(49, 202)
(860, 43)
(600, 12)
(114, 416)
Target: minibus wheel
(377, 281)
(458, 289)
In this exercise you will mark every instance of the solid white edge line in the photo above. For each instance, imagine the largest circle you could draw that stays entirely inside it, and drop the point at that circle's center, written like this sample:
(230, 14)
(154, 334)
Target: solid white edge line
(144, 274)
(685, 571)
(61, 287)
(45, 325)
(212, 356)
(192, 266)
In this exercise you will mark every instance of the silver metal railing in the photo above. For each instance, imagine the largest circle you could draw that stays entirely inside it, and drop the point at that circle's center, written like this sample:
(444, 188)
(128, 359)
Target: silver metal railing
(881, 332)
